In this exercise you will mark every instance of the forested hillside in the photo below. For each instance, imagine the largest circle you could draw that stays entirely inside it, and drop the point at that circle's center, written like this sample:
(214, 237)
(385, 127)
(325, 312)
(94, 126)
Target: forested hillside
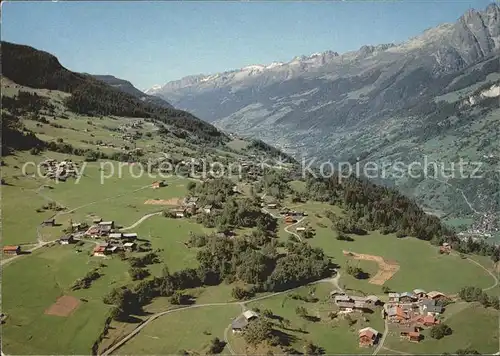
(37, 69)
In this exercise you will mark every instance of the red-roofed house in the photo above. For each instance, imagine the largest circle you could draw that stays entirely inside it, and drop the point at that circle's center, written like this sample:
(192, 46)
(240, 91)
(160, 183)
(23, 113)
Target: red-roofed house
(12, 250)
(100, 251)
(368, 337)
(427, 320)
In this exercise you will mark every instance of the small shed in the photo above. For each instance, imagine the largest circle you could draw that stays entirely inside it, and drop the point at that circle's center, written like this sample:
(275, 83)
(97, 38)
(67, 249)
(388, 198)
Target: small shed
(49, 222)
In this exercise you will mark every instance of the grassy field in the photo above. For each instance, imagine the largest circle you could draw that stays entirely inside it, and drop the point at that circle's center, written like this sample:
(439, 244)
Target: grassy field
(421, 266)
(169, 235)
(30, 285)
(20, 201)
(189, 330)
(334, 336)
(473, 326)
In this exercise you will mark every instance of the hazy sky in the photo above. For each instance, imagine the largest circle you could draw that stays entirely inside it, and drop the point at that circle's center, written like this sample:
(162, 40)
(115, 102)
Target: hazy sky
(151, 43)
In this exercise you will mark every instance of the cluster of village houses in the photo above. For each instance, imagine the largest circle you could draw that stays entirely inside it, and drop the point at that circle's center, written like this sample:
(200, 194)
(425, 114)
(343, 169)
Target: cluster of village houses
(189, 205)
(409, 311)
(290, 216)
(115, 240)
(59, 170)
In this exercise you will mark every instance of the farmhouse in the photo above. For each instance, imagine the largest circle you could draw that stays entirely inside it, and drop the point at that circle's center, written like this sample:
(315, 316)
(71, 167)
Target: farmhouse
(129, 246)
(396, 314)
(207, 209)
(436, 295)
(93, 231)
(373, 300)
(429, 307)
(272, 205)
(359, 302)
(12, 250)
(115, 235)
(301, 228)
(409, 333)
(178, 212)
(335, 293)
(66, 240)
(346, 307)
(420, 293)
(427, 320)
(191, 201)
(239, 324)
(97, 221)
(49, 222)
(250, 315)
(100, 251)
(129, 236)
(289, 220)
(393, 297)
(368, 337)
(445, 248)
(76, 226)
(158, 184)
(242, 321)
(407, 297)
(342, 298)
(106, 224)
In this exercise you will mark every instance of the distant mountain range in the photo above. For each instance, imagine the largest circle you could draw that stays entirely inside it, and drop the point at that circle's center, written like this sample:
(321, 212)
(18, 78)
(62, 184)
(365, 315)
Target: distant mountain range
(434, 95)
(127, 87)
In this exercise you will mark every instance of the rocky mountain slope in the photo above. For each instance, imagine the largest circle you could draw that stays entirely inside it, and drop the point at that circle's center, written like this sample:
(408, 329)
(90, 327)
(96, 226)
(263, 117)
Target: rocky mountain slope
(127, 87)
(388, 103)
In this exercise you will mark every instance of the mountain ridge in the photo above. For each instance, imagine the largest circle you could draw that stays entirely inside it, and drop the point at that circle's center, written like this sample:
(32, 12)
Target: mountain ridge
(382, 102)
(471, 23)
(128, 87)
(37, 69)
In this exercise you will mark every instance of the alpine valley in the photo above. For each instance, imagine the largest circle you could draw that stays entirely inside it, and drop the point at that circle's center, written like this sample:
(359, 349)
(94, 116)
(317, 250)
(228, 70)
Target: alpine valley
(431, 99)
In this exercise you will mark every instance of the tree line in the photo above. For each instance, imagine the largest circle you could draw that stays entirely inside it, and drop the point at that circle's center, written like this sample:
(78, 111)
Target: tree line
(374, 207)
(226, 260)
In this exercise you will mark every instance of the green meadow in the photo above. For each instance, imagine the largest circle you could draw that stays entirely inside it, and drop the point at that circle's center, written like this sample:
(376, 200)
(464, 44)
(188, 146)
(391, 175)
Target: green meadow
(189, 330)
(31, 284)
(421, 265)
(473, 327)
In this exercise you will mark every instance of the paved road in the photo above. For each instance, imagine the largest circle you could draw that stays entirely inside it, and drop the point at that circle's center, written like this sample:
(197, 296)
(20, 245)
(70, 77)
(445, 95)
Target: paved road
(169, 311)
(382, 339)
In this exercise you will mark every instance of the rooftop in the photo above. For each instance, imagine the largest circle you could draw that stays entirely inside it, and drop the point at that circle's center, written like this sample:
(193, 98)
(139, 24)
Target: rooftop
(250, 314)
(239, 323)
